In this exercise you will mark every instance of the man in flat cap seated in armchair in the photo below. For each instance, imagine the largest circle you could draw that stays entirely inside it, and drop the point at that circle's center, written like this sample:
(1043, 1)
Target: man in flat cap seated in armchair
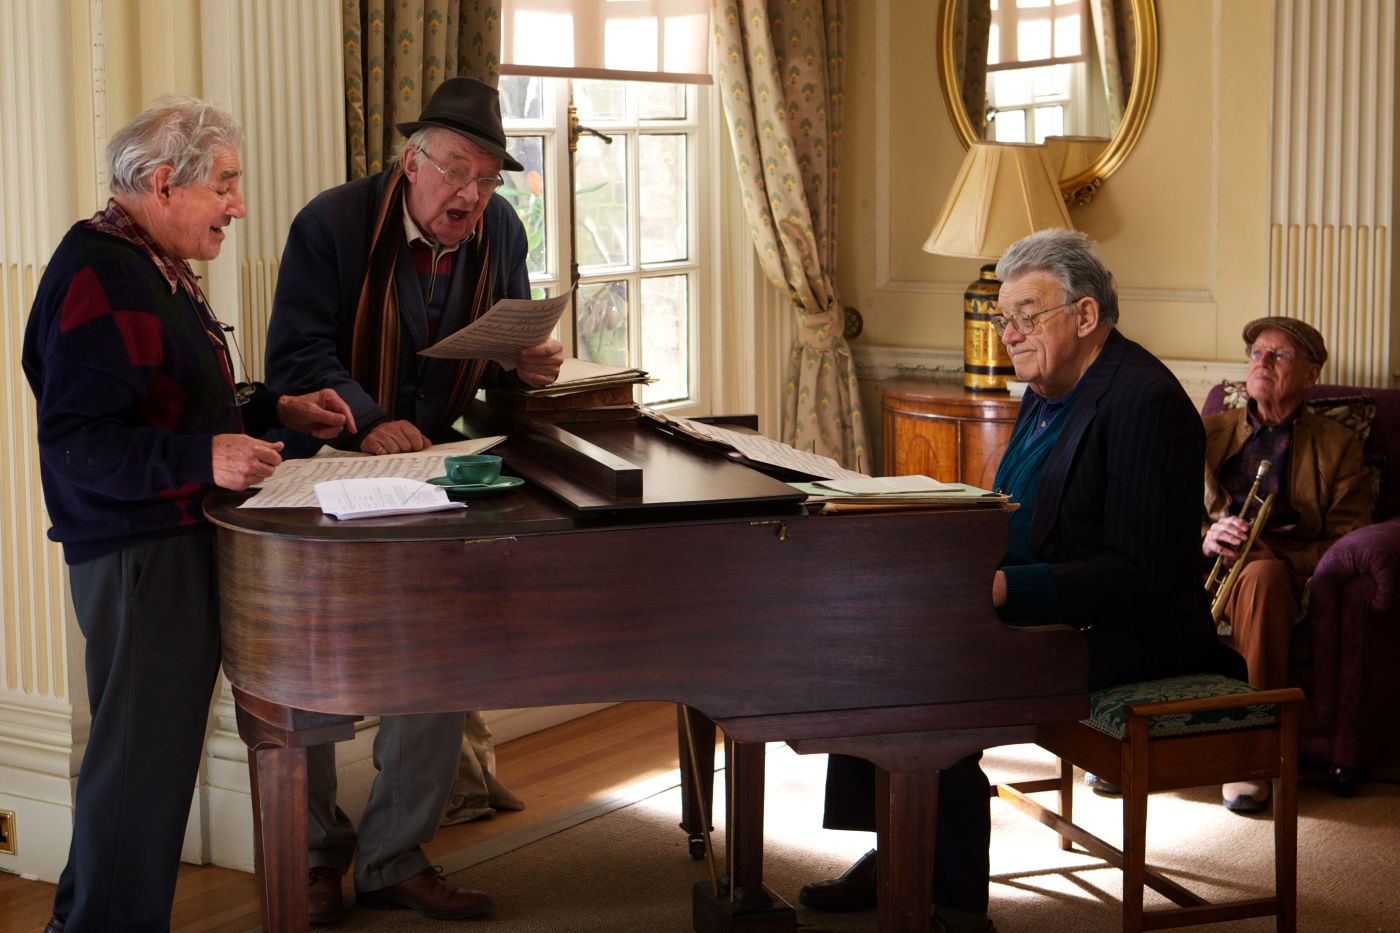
(1322, 490)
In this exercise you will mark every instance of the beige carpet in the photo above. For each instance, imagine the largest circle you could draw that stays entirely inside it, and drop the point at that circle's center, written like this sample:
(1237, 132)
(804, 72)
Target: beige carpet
(622, 867)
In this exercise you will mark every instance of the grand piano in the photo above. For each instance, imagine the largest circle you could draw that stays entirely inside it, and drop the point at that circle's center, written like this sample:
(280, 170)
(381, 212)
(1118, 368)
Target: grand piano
(634, 566)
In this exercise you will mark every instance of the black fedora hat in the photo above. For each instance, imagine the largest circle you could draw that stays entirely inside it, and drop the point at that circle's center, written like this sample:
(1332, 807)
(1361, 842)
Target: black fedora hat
(470, 108)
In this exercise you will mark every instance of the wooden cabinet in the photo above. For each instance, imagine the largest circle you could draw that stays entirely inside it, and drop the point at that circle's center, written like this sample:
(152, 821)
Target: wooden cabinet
(942, 430)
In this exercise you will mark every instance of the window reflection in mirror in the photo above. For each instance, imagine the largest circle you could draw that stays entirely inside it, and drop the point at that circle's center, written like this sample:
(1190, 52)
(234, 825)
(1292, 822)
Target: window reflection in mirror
(1076, 75)
(1043, 73)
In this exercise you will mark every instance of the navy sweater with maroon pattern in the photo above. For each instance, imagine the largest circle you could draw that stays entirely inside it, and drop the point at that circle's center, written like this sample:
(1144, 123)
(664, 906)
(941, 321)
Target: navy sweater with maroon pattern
(130, 388)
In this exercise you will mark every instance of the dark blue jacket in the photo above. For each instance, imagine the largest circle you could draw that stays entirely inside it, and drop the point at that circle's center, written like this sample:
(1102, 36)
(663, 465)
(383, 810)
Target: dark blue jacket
(1116, 523)
(318, 291)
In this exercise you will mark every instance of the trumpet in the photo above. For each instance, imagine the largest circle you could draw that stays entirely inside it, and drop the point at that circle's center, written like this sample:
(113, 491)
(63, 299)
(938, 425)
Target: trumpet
(1219, 583)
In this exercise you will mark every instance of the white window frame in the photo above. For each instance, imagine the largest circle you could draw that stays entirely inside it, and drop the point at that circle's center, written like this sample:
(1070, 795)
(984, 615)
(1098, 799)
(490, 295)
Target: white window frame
(703, 154)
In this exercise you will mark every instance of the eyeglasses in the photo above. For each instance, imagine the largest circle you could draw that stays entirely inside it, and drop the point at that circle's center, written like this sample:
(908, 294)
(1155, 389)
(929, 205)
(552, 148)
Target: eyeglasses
(1025, 324)
(1257, 354)
(458, 180)
(215, 328)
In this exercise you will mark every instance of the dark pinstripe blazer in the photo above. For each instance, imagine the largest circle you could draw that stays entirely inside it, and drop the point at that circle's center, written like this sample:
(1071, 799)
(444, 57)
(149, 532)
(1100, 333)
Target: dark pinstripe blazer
(1117, 516)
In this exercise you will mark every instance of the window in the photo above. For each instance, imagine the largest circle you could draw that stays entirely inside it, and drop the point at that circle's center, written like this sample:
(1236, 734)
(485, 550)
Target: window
(1038, 64)
(638, 231)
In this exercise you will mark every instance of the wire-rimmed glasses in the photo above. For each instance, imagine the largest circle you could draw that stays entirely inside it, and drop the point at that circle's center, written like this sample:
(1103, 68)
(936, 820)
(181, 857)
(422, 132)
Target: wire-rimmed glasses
(1025, 324)
(457, 179)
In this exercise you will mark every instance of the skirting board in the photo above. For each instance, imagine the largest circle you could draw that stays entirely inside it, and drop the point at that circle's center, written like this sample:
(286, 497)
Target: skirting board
(37, 761)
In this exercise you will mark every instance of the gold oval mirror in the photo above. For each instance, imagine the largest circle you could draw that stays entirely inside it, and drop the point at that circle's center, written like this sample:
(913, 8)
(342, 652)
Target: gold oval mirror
(1042, 77)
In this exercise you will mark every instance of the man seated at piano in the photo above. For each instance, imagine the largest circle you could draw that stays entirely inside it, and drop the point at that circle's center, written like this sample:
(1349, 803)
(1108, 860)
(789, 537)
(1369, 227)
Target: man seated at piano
(1105, 463)
(375, 270)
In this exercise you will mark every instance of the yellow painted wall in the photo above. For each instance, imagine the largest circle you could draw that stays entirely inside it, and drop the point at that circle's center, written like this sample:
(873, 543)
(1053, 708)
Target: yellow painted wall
(1183, 223)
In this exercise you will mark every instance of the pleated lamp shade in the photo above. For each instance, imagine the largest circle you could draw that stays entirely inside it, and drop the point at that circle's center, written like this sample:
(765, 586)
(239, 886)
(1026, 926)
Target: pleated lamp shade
(1003, 192)
(1071, 156)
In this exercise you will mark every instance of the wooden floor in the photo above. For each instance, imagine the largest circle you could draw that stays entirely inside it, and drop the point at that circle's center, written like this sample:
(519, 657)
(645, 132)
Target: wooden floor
(552, 771)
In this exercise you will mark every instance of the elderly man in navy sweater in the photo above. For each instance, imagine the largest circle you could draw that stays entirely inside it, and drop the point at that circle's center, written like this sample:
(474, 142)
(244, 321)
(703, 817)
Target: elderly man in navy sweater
(139, 418)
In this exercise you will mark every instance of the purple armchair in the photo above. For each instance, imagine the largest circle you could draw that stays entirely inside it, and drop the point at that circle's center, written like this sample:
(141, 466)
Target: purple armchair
(1346, 655)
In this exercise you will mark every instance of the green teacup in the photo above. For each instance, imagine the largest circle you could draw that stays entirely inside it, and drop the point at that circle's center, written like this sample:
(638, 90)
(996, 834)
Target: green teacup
(473, 469)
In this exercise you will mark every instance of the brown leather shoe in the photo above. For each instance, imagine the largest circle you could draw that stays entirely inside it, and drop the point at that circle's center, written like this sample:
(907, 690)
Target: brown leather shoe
(327, 901)
(427, 893)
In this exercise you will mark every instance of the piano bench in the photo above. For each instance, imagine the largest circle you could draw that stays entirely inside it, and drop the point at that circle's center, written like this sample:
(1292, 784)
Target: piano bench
(1170, 734)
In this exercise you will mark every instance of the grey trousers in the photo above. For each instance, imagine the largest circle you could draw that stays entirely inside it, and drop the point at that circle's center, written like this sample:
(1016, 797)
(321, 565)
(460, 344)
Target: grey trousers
(416, 759)
(150, 620)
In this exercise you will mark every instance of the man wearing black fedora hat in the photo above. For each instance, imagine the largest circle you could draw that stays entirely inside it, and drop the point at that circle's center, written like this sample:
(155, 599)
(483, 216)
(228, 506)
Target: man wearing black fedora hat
(375, 270)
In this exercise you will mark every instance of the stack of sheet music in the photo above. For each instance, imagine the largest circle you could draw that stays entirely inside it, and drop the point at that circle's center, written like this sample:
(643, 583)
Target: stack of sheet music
(752, 448)
(582, 386)
(872, 493)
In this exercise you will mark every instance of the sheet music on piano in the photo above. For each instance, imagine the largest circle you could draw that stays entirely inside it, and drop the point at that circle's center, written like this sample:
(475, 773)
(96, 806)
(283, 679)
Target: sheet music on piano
(754, 447)
(293, 484)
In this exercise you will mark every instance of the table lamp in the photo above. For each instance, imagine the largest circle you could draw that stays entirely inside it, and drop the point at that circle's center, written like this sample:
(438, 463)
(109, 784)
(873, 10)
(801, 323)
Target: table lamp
(1003, 192)
(1072, 160)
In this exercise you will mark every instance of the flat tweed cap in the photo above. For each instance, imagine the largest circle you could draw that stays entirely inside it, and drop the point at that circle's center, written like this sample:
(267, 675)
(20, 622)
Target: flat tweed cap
(1305, 335)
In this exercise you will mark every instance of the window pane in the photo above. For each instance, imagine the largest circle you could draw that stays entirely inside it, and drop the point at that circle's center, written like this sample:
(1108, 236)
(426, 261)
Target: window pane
(661, 101)
(1010, 126)
(662, 197)
(522, 98)
(1049, 81)
(666, 337)
(1068, 32)
(602, 322)
(526, 191)
(600, 100)
(600, 198)
(1049, 121)
(1011, 87)
(1032, 40)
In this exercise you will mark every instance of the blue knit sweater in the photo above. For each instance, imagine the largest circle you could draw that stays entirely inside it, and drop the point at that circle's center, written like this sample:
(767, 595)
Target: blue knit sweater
(130, 389)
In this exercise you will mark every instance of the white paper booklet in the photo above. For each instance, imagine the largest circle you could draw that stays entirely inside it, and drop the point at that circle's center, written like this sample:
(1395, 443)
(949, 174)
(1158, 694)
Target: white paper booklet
(888, 485)
(389, 495)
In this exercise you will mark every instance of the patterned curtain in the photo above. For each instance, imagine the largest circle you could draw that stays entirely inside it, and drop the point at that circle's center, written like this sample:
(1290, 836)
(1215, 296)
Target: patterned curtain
(396, 54)
(972, 26)
(779, 64)
(1115, 31)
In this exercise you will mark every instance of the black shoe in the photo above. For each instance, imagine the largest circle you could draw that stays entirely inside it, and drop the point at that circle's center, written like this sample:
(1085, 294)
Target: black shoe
(854, 890)
(54, 925)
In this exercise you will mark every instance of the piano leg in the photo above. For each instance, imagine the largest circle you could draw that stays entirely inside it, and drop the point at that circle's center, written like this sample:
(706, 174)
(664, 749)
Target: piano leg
(695, 730)
(279, 835)
(743, 902)
(906, 816)
(277, 737)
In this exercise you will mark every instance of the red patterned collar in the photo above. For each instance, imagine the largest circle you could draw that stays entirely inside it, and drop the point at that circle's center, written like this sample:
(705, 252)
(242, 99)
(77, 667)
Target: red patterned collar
(117, 221)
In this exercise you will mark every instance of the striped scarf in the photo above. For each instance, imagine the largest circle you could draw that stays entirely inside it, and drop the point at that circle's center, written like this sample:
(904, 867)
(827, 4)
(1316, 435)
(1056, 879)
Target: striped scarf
(377, 341)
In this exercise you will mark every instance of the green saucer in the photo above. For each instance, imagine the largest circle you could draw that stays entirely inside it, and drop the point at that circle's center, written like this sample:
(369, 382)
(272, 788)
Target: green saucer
(472, 490)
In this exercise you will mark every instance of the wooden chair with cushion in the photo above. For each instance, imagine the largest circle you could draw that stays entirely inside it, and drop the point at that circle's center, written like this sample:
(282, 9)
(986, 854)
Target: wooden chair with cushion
(1166, 735)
